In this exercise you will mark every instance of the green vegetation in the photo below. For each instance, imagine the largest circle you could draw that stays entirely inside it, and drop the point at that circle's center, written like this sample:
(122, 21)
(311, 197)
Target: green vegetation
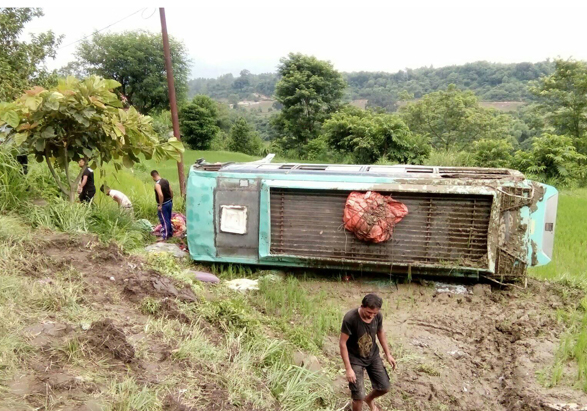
(198, 122)
(562, 98)
(81, 120)
(310, 91)
(453, 119)
(489, 81)
(368, 137)
(243, 139)
(135, 60)
(244, 343)
(22, 64)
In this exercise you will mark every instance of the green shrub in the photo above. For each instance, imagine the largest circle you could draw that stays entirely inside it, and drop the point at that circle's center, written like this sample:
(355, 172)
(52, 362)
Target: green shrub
(552, 158)
(13, 183)
(493, 153)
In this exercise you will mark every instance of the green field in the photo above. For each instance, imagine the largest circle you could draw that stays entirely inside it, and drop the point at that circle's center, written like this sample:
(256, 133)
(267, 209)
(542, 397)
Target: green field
(570, 244)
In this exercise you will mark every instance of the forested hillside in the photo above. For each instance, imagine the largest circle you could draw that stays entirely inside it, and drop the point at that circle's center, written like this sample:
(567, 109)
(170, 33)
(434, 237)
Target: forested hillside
(489, 81)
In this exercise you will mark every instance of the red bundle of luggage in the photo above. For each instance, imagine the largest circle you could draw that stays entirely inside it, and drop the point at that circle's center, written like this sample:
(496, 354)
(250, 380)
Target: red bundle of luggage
(372, 216)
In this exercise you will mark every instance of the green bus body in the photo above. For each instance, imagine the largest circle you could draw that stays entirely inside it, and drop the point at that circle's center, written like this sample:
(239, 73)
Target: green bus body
(461, 221)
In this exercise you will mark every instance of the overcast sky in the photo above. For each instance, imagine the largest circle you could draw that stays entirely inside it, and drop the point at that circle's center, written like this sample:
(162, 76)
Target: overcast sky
(228, 36)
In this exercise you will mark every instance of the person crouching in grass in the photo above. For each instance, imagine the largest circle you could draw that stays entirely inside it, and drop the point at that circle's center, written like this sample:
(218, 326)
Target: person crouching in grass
(118, 196)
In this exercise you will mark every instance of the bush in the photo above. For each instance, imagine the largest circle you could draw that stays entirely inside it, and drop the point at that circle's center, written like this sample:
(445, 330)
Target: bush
(553, 158)
(198, 122)
(244, 139)
(450, 159)
(162, 125)
(368, 136)
(12, 181)
(492, 153)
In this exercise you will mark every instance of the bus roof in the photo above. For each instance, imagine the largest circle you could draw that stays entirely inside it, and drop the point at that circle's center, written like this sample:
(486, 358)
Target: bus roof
(414, 171)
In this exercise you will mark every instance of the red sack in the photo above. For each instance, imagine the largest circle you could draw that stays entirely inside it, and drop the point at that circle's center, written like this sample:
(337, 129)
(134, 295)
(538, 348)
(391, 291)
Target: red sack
(372, 216)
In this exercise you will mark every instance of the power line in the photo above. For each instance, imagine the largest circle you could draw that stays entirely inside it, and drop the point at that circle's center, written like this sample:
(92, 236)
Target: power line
(98, 31)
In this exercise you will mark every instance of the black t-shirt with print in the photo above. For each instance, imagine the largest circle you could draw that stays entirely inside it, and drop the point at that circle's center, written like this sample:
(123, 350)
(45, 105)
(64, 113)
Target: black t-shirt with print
(362, 342)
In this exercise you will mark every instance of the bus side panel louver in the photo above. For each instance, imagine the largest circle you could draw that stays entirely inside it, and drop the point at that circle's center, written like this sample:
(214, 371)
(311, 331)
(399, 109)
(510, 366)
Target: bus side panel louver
(441, 230)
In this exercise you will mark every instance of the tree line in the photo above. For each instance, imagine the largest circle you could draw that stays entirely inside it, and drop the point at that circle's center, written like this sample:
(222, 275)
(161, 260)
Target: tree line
(437, 117)
(489, 81)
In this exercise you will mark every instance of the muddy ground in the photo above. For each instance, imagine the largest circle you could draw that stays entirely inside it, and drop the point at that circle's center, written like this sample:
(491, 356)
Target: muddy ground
(481, 350)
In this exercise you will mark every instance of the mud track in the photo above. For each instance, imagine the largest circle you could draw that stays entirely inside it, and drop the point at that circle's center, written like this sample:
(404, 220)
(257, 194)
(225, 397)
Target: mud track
(479, 351)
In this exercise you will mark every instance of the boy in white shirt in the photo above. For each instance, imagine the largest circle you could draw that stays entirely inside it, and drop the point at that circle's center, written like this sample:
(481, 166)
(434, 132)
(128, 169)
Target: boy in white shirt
(117, 196)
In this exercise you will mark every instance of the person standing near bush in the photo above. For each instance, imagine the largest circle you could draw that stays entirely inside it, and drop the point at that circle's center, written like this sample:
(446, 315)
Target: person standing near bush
(86, 189)
(359, 352)
(164, 199)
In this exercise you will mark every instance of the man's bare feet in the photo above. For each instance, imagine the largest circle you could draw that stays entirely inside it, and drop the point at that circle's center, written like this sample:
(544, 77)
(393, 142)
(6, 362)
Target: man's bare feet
(372, 405)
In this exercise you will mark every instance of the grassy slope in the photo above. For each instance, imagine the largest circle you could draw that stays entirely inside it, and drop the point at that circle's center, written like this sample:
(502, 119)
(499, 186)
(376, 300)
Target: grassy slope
(570, 245)
(138, 180)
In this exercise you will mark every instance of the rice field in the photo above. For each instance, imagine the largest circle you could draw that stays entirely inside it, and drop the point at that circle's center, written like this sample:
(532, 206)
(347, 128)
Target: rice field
(570, 244)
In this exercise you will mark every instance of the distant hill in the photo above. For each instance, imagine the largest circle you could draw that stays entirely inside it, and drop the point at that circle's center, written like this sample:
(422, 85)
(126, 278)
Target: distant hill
(492, 82)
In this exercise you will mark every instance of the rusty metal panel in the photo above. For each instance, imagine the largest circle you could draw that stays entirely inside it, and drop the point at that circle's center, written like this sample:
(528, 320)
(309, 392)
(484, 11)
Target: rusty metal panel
(445, 230)
(515, 197)
(508, 266)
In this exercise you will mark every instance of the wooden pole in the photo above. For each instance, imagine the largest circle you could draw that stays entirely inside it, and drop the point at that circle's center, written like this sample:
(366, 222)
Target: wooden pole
(172, 100)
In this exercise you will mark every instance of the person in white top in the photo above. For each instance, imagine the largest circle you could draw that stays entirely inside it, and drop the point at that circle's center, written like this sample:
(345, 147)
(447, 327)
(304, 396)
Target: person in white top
(117, 196)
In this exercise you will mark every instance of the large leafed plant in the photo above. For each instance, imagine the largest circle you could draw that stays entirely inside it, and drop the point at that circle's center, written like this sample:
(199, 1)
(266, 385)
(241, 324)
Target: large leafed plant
(81, 119)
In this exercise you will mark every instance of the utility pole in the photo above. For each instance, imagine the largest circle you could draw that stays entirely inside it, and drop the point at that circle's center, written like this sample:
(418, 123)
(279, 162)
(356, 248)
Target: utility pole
(172, 100)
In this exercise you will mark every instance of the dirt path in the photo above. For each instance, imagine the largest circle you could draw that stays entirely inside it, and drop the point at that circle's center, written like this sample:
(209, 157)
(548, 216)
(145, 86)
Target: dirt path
(482, 350)
(477, 351)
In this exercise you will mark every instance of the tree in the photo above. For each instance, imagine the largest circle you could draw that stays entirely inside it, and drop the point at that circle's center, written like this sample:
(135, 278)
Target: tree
(453, 119)
(493, 153)
(81, 120)
(135, 59)
(368, 137)
(198, 122)
(22, 63)
(563, 99)
(309, 90)
(552, 156)
(243, 138)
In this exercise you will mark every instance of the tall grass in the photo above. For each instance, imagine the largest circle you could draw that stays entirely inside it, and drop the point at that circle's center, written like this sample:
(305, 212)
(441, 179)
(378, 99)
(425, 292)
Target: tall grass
(12, 186)
(569, 261)
(305, 318)
(128, 395)
(449, 159)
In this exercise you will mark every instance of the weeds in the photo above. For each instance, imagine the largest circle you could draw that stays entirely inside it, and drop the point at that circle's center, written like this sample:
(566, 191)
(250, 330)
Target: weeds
(298, 389)
(231, 271)
(12, 189)
(127, 395)
(150, 305)
(305, 319)
(429, 369)
(73, 350)
(231, 315)
(196, 347)
(573, 347)
(167, 265)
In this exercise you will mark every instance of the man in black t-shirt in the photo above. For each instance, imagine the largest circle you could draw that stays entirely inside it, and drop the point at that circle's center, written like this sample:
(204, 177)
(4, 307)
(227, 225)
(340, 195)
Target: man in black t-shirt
(359, 352)
(86, 189)
(164, 199)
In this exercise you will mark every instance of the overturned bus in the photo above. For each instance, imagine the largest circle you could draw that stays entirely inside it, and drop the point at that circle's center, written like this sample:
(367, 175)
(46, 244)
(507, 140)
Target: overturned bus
(468, 222)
